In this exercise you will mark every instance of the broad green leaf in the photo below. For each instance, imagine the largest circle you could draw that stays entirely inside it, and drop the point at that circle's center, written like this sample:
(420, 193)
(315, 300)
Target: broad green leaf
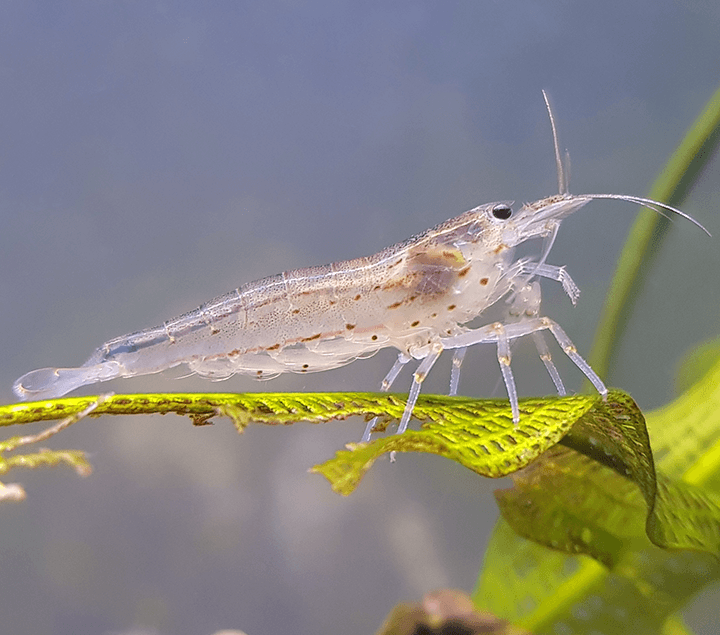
(644, 582)
(692, 368)
(548, 592)
(574, 504)
(675, 626)
(479, 435)
(685, 434)
(289, 408)
(571, 503)
(268, 408)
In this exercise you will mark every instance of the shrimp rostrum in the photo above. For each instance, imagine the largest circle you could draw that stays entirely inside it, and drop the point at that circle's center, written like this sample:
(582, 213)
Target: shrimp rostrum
(417, 296)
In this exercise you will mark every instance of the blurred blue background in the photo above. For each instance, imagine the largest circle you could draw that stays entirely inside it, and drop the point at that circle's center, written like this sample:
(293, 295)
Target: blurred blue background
(156, 154)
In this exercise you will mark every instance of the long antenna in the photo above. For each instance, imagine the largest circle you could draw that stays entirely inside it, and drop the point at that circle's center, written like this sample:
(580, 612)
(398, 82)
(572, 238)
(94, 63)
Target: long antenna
(562, 180)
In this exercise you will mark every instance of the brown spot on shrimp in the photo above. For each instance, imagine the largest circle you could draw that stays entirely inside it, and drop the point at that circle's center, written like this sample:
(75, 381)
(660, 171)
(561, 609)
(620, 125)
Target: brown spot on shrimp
(317, 336)
(434, 271)
(484, 281)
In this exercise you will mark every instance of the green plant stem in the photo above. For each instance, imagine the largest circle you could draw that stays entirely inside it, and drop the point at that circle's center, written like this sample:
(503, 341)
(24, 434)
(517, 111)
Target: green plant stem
(671, 186)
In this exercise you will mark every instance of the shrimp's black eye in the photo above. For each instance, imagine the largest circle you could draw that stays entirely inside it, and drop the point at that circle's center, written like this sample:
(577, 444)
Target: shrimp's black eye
(502, 211)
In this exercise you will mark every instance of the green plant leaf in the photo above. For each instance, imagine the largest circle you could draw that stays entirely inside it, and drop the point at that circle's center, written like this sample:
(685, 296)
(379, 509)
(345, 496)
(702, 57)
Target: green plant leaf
(695, 364)
(524, 582)
(675, 626)
(548, 592)
(479, 435)
(289, 408)
(685, 434)
(572, 503)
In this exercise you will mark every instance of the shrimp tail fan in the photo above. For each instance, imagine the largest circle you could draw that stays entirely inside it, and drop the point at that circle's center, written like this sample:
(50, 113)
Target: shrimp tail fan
(48, 383)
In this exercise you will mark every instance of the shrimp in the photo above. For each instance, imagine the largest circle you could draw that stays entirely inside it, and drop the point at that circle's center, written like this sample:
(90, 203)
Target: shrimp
(417, 296)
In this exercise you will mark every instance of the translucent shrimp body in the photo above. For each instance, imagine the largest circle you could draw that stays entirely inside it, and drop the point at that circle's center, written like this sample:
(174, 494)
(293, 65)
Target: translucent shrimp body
(416, 296)
(408, 296)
